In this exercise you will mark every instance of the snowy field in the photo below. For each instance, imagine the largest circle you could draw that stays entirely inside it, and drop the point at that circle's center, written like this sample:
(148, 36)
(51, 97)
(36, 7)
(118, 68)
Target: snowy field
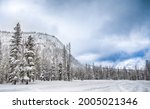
(80, 86)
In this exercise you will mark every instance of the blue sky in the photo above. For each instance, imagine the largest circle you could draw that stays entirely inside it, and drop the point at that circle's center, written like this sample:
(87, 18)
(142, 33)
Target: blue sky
(99, 30)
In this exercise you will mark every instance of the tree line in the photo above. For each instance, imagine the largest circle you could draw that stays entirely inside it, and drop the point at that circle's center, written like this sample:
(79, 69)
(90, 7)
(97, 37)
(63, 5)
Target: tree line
(92, 72)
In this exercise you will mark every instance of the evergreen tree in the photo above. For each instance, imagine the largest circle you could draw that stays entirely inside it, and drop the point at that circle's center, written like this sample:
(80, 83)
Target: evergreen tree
(15, 55)
(147, 70)
(37, 64)
(1, 72)
(69, 63)
(60, 71)
(30, 59)
(64, 59)
(0, 52)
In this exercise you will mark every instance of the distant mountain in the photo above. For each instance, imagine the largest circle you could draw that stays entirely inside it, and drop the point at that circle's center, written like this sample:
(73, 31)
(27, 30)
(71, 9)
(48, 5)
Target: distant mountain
(131, 63)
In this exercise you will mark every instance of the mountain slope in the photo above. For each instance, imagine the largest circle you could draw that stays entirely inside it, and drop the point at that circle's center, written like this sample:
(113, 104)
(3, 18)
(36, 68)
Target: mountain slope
(131, 63)
(45, 43)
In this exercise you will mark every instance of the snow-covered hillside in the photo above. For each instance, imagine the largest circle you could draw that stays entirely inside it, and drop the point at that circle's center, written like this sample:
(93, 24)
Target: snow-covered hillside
(43, 42)
(138, 63)
(80, 86)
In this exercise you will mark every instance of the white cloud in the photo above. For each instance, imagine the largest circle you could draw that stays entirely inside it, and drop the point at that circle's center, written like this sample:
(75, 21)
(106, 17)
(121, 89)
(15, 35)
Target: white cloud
(88, 58)
(131, 43)
(137, 40)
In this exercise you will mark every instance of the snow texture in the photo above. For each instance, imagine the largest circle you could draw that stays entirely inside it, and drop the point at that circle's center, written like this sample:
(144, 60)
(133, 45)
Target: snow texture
(80, 86)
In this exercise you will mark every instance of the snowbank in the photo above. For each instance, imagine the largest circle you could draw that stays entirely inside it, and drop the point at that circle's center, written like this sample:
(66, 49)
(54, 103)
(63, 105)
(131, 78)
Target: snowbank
(80, 86)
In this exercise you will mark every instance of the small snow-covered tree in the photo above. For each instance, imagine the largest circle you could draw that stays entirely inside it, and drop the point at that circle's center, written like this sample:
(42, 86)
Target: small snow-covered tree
(15, 55)
(147, 70)
(30, 59)
(60, 71)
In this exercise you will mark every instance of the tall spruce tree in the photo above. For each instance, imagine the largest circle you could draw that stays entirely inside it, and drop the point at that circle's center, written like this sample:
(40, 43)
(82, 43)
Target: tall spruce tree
(37, 63)
(30, 59)
(15, 55)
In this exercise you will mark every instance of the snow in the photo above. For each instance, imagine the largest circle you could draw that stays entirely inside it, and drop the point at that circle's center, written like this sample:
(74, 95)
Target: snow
(132, 63)
(28, 68)
(80, 86)
(26, 78)
(139, 63)
(42, 40)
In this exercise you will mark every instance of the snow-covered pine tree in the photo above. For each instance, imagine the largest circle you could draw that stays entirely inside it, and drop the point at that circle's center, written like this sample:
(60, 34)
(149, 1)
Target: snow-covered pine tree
(60, 71)
(37, 64)
(15, 55)
(1, 72)
(69, 62)
(64, 59)
(0, 52)
(22, 63)
(147, 70)
(30, 60)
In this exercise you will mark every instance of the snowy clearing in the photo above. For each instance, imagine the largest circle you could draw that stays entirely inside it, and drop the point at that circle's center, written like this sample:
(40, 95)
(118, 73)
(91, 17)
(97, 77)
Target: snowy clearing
(80, 86)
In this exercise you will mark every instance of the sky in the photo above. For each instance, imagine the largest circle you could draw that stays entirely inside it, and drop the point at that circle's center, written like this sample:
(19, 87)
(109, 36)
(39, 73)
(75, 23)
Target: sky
(100, 31)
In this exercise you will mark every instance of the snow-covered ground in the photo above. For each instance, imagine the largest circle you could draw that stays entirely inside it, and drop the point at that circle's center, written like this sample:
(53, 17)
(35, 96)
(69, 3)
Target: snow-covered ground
(80, 86)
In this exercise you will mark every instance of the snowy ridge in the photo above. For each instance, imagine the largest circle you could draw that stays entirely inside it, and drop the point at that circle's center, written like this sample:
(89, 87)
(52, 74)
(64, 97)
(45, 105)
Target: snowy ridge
(133, 63)
(42, 40)
(138, 63)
